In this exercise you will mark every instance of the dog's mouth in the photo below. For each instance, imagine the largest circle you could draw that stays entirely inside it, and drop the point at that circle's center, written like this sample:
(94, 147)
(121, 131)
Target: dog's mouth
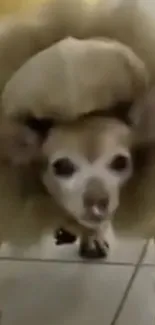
(96, 217)
(90, 224)
(93, 220)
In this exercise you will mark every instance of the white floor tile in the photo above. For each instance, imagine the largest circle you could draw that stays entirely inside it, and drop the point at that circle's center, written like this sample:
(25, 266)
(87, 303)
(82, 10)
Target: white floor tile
(122, 250)
(140, 306)
(150, 255)
(60, 293)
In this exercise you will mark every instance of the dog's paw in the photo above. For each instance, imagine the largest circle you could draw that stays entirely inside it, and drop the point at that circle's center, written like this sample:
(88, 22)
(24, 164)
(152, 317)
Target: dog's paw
(93, 249)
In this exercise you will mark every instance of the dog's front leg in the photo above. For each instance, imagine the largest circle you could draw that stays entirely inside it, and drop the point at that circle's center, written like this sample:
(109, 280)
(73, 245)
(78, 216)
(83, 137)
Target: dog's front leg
(94, 246)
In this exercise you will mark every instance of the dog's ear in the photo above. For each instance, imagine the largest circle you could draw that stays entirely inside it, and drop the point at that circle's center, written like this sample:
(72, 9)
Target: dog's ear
(18, 143)
(40, 126)
(121, 111)
(142, 116)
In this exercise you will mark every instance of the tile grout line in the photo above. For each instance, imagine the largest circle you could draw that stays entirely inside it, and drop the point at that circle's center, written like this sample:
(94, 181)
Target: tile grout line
(39, 260)
(129, 285)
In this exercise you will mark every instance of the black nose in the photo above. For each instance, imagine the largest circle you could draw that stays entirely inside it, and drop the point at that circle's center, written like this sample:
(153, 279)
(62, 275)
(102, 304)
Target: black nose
(96, 198)
(100, 202)
(103, 203)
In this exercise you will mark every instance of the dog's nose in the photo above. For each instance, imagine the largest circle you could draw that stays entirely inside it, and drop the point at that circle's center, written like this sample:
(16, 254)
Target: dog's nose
(96, 207)
(92, 201)
(96, 199)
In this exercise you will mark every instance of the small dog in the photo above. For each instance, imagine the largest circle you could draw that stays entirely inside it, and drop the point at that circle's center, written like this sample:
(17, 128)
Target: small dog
(73, 176)
(71, 179)
(83, 200)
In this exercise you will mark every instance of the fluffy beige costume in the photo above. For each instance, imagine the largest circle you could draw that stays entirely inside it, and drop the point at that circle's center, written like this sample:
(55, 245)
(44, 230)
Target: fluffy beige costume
(75, 77)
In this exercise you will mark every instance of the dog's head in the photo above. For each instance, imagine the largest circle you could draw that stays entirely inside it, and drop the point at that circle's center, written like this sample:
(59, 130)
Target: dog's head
(85, 163)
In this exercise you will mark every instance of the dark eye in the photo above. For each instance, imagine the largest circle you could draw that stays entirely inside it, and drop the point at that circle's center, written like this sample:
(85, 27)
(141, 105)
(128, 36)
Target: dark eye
(64, 167)
(119, 163)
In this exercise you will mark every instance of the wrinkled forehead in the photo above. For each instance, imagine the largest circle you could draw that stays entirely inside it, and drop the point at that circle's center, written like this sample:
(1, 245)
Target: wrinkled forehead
(90, 138)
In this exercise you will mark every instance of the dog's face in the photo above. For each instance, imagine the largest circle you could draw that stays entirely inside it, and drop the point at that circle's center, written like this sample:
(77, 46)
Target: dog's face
(87, 164)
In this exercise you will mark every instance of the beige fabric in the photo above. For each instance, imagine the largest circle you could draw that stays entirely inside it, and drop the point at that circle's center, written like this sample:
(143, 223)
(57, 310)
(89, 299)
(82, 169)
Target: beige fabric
(74, 77)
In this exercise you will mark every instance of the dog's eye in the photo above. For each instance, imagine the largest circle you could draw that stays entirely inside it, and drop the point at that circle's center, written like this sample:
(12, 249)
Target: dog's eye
(120, 163)
(64, 167)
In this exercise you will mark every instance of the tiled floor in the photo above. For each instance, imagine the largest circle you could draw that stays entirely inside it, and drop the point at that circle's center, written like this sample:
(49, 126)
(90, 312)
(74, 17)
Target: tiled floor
(52, 286)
